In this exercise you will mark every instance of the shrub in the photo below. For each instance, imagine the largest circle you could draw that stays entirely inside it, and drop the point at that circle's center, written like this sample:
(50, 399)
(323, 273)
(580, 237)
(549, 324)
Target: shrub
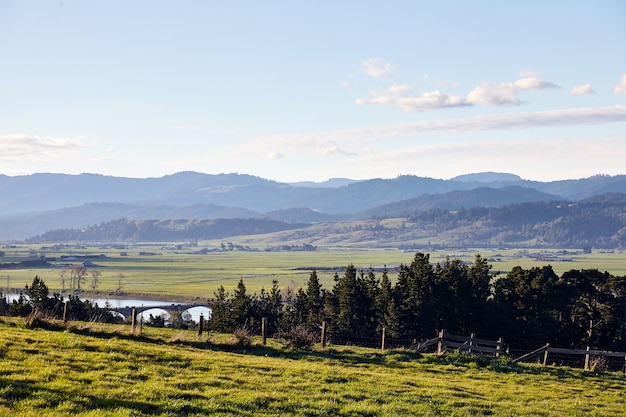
(242, 336)
(298, 338)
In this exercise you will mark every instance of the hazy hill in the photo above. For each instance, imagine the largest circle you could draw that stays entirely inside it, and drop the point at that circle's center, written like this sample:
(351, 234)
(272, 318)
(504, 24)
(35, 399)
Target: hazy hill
(596, 222)
(34, 204)
(478, 197)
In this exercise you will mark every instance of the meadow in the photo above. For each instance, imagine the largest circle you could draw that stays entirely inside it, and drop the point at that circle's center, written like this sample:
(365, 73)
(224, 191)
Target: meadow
(161, 272)
(90, 369)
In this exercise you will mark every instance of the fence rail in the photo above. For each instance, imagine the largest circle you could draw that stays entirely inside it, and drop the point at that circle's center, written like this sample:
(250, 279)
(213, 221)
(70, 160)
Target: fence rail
(618, 358)
(470, 345)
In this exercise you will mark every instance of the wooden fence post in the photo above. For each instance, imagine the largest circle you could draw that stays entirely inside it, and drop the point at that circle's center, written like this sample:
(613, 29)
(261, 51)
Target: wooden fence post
(323, 335)
(264, 330)
(545, 354)
(471, 342)
(133, 319)
(65, 312)
(200, 325)
(587, 359)
(442, 334)
(382, 342)
(498, 347)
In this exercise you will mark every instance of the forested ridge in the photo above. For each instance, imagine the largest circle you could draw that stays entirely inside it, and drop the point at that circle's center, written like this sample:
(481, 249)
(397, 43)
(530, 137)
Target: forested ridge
(595, 222)
(165, 230)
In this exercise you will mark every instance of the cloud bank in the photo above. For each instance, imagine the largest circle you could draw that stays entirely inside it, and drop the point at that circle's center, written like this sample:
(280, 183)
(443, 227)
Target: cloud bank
(333, 141)
(488, 94)
(23, 146)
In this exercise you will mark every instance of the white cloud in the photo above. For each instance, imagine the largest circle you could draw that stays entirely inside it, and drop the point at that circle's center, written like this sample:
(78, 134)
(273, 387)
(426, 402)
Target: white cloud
(500, 94)
(23, 146)
(505, 94)
(581, 156)
(375, 67)
(334, 150)
(533, 83)
(333, 142)
(528, 73)
(580, 90)
(275, 155)
(345, 84)
(620, 88)
(397, 95)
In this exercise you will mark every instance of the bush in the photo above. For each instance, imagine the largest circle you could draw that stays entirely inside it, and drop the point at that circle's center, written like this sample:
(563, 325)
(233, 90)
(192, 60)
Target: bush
(298, 338)
(242, 336)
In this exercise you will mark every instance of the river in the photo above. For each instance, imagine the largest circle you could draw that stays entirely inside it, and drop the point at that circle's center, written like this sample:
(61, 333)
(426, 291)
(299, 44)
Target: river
(194, 312)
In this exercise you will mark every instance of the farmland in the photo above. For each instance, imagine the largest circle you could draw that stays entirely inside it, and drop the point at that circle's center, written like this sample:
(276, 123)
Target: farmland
(171, 271)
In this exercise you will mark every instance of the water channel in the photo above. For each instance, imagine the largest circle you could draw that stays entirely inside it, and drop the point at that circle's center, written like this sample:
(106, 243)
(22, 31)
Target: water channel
(193, 312)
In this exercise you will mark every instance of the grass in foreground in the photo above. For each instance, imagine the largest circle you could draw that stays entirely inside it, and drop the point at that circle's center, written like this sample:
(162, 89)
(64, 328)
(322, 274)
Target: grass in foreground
(100, 370)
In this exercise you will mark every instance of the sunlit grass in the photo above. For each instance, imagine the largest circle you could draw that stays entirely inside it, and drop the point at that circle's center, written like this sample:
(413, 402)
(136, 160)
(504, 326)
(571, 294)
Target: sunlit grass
(103, 370)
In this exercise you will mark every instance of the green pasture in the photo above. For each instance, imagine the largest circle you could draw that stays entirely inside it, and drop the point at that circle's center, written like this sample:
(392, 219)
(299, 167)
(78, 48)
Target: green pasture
(179, 274)
(93, 370)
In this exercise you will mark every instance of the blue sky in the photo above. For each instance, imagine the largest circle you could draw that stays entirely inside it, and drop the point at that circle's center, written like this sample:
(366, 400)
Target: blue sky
(294, 90)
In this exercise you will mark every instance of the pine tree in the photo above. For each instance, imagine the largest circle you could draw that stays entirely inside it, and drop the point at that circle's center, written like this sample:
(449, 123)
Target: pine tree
(388, 313)
(38, 295)
(241, 305)
(313, 302)
(221, 318)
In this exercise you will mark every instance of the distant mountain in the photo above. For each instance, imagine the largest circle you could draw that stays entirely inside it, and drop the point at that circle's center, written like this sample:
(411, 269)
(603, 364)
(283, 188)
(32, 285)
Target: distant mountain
(34, 204)
(488, 177)
(331, 183)
(453, 200)
(598, 222)
(164, 230)
(19, 227)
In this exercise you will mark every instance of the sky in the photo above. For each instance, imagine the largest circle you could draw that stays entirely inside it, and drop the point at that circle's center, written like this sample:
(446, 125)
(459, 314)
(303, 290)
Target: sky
(311, 90)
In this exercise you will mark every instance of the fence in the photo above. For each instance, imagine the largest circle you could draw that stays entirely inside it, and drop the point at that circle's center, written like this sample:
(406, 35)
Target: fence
(470, 345)
(588, 359)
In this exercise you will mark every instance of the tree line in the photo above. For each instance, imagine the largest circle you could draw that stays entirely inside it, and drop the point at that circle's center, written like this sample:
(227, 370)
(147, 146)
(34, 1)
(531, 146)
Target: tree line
(526, 307)
(36, 301)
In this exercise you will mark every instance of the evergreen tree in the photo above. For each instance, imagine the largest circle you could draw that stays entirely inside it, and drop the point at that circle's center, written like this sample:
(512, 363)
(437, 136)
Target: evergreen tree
(388, 312)
(528, 306)
(240, 305)
(481, 300)
(313, 302)
(414, 298)
(38, 295)
(221, 317)
(452, 296)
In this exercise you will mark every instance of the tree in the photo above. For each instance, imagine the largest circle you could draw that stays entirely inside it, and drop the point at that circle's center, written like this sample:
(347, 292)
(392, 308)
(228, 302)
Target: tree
(481, 298)
(120, 277)
(77, 277)
(313, 302)
(528, 306)
(240, 305)
(38, 295)
(95, 278)
(413, 293)
(221, 318)
(388, 317)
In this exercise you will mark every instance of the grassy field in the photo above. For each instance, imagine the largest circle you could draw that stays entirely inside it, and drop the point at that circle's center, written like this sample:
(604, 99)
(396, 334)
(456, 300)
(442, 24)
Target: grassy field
(171, 274)
(103, 370)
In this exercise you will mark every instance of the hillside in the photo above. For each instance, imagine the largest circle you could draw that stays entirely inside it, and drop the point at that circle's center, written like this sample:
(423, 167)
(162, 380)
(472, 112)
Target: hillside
(598, 222)
(90, 369)
(36, 204)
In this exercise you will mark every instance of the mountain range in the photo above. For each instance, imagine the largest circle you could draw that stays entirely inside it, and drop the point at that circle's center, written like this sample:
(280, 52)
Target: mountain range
(32, 205)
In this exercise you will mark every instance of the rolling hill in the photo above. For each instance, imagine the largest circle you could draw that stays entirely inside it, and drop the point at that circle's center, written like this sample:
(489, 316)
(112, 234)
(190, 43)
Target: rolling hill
(35, 204)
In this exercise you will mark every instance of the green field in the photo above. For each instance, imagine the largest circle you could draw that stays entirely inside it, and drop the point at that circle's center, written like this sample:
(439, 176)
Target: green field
(173, 274)
(103, 370)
